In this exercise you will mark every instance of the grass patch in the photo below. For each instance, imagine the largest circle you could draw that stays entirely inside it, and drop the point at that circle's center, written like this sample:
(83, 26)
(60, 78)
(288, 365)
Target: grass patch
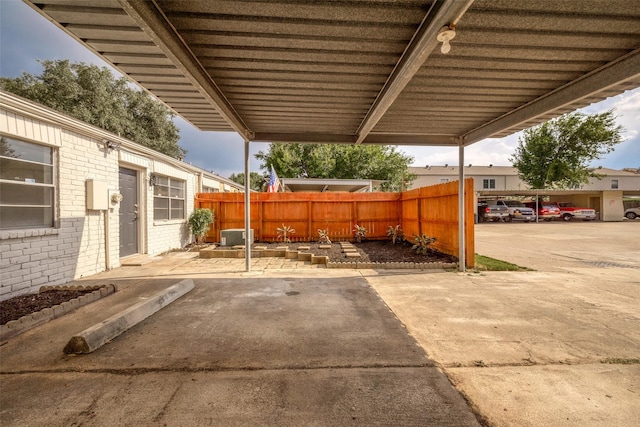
(616, 361)
(485, 263)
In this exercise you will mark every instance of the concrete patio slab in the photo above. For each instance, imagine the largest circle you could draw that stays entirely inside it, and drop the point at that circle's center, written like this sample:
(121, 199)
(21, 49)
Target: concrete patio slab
(258, 348)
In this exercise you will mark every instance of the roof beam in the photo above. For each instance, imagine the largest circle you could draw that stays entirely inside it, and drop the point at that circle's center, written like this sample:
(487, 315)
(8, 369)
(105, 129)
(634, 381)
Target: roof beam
(149, 18)
(624, 68)
(441, 13)
(374, 139)
(312, 138)
(410, 139)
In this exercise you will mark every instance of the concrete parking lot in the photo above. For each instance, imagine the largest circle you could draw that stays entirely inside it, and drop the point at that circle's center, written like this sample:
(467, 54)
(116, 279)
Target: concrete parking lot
(287, 345)
(559, 346)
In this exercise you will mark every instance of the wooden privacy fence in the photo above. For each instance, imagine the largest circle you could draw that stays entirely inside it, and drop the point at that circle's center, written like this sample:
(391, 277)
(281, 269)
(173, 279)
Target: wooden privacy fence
(430, 210)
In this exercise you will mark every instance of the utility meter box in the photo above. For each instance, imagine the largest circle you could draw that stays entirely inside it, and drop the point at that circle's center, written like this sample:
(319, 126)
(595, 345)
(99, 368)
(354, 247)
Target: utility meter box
(97, 195)
(234, 236)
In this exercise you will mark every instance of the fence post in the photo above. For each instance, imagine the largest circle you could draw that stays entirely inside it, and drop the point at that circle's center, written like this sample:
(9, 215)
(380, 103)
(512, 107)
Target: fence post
(419, 210)
(309, 219)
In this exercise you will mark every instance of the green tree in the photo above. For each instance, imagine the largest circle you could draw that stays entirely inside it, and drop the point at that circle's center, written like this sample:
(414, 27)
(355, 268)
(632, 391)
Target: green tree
(93, 95)
(379, 162)
(257, 183)
(557, 154)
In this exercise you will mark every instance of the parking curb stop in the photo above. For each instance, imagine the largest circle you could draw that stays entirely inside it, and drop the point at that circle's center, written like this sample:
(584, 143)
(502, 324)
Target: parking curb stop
(96, 336)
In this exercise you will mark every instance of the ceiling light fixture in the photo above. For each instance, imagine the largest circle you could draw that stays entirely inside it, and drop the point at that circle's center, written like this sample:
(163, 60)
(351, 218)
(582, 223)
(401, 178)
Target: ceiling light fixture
(445, 35)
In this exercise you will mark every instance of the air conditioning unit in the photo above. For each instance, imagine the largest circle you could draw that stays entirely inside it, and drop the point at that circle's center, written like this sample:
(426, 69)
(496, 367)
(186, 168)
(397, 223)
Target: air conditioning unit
(234, 236)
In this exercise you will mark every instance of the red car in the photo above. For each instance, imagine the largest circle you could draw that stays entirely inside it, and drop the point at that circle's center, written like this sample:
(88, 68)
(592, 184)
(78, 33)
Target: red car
(546, 211)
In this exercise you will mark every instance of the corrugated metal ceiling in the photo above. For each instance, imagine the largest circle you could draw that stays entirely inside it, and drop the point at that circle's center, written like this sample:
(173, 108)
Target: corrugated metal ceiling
(364, 71)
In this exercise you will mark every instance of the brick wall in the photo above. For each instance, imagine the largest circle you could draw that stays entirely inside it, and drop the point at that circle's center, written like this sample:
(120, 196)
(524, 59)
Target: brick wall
(76, 246)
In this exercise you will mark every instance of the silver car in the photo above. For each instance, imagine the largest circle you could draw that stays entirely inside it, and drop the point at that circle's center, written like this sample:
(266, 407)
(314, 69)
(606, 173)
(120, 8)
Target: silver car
(518, 211)
(632, 213)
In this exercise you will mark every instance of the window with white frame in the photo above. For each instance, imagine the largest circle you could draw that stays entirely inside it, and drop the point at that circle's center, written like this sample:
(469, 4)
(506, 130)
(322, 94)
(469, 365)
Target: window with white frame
(489, 184)
(444, 180)
(168, 198)
(614, 184)
(206, 189)
(27, 189)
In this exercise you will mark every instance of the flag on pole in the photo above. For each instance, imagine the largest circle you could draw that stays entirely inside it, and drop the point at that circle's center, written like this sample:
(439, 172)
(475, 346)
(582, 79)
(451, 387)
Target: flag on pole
(274, 182)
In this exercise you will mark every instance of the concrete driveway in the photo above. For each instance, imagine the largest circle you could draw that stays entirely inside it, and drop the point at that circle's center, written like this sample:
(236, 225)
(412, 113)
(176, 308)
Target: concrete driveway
(275, 347)
(559, 346)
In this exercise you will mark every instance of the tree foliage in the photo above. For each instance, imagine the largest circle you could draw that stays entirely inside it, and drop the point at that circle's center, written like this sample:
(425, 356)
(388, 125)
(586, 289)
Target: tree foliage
(257, 183)
(92, 94)
(557, 154)
(379, 162)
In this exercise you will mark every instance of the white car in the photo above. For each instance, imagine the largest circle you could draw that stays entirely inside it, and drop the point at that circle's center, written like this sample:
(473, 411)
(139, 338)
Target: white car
(632, 213)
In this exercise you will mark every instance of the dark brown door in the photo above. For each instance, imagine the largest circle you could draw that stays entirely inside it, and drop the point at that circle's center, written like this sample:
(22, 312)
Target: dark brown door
(128, 212)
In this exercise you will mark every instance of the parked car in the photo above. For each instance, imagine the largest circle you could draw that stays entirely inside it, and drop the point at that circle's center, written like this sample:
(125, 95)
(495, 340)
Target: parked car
(489, 210)
(518, 211)
(570, 211)
(632, 213)
(546, 211)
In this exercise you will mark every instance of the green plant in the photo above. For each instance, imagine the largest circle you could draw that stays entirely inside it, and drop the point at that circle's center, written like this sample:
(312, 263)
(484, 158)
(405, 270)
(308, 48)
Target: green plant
(395, 233)
(284, 232)
(359, 232)
(199, 222)
(323, 236)
(422, 243)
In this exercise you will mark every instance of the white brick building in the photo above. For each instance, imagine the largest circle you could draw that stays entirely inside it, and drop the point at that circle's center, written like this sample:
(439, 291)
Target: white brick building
(60, 185)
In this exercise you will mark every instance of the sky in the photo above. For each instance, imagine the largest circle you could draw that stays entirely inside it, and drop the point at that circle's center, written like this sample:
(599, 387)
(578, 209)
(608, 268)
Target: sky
(26, 37)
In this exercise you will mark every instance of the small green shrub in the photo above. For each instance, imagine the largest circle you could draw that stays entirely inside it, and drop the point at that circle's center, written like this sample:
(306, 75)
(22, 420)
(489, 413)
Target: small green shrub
(422, 243)
(395, 233)
(323, 236)
(199, 222)
(359, 233)
(284, 232)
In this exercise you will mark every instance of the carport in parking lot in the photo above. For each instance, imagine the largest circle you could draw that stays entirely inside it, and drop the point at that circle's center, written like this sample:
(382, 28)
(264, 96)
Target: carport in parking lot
(346, 72)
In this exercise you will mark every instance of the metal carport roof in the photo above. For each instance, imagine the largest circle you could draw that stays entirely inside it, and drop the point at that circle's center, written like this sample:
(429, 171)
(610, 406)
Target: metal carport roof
(364, 71)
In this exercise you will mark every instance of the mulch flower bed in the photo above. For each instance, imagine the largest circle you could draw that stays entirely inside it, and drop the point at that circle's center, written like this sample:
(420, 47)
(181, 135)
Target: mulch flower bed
(23, 305)
(370, 251)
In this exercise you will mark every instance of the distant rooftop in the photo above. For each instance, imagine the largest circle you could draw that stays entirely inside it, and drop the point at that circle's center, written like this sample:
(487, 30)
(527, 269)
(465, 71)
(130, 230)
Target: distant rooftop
(446, 170)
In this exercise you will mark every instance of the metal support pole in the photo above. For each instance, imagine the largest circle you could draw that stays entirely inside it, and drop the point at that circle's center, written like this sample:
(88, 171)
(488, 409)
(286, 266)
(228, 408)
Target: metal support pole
(461, 243)
(247, 209)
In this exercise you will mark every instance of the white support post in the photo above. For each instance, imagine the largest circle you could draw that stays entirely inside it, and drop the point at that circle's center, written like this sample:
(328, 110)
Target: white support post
(247, 209)
(461, 243)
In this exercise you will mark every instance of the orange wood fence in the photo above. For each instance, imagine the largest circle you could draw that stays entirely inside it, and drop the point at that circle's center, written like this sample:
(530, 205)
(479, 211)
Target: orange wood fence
(430, 210)
(434, 211)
